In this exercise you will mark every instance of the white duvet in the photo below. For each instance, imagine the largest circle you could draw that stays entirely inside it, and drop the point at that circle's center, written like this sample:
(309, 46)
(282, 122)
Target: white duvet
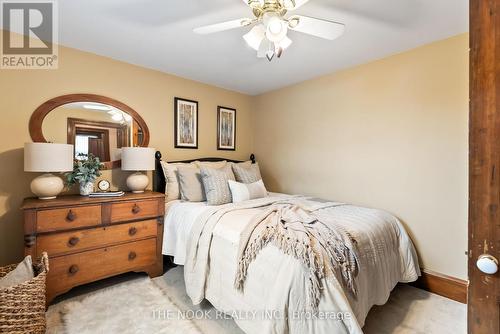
(275, 296)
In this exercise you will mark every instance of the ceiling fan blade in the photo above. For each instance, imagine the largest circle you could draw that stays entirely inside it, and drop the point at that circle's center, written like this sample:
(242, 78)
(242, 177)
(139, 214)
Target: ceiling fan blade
(316, 27)
(213, 28)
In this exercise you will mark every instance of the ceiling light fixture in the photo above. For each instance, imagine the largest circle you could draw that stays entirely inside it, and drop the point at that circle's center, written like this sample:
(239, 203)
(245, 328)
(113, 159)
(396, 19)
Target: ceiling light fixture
(269, 36)
(269, 41)
(96, 107)
(127, 117)
(117, 117)
(255, 36)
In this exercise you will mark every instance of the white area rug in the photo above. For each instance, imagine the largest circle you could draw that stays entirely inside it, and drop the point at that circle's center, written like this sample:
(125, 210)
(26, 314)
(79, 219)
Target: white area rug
(138, 306)
(408, 311)
(128, 308)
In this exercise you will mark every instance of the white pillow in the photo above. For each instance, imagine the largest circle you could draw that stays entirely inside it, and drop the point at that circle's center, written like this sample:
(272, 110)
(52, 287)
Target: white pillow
(244, 192)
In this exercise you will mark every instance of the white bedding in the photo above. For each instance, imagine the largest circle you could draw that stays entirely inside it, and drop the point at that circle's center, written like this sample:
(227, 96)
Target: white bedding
(179, 219)
(282, 289)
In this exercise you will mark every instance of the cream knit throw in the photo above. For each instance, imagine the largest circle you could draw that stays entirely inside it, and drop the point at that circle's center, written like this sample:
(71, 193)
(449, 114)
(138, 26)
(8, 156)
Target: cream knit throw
(296, 228)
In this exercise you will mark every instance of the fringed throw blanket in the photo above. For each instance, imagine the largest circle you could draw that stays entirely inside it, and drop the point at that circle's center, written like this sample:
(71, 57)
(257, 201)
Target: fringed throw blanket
(296, 228)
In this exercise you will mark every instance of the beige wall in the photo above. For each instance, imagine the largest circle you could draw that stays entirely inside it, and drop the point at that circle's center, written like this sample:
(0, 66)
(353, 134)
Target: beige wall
(390, 134)
(149, 92)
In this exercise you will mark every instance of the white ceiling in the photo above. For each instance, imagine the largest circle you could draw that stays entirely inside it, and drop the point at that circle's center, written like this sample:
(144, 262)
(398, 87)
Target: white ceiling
(158, 34)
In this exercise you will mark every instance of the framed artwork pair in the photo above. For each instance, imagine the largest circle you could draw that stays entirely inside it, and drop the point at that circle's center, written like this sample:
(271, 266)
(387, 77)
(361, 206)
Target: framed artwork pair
(186, 125)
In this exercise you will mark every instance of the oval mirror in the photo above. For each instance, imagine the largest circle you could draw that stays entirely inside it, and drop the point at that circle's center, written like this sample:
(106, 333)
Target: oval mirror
(94, 124)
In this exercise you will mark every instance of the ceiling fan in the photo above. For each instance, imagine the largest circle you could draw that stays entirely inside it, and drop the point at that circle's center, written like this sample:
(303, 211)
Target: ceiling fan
(269, 37)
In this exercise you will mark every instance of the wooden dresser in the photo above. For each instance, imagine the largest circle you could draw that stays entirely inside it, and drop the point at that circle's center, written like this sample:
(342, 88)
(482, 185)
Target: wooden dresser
(88, 239)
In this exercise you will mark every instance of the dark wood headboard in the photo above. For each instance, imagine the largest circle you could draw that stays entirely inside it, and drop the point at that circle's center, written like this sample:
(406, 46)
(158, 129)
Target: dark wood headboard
(159, 182)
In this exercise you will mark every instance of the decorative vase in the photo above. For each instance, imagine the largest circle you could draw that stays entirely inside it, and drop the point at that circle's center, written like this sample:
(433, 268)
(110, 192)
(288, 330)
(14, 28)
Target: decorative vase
(86, 188)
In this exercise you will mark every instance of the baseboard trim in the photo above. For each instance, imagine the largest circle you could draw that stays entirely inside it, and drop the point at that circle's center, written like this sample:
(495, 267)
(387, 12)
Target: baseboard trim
(443, 285)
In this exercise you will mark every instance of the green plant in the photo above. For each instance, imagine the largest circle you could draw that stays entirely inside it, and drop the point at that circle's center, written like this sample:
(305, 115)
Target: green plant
(84, 170)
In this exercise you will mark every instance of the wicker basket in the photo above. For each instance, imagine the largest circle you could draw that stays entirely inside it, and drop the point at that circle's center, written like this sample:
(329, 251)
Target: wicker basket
(22, 307)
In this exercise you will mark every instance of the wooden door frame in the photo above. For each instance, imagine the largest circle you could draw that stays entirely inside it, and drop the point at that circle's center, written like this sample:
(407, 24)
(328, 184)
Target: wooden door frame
(104, 136)
(484, 164)
(121, 131)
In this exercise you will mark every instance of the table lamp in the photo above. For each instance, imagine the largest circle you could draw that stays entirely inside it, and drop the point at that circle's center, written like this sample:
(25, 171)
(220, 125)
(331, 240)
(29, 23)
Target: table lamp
(138, 159)
(47, 158)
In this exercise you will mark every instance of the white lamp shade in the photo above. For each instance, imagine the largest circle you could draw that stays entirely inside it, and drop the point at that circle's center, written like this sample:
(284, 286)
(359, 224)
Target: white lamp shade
(48, 157)
(255, 36)
(138, 158)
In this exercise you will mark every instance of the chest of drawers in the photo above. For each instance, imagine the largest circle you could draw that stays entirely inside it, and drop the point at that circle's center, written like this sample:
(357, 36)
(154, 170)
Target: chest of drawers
(88, 239)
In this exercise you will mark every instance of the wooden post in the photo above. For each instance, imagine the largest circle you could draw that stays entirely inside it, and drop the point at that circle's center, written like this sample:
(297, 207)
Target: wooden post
(484, 164)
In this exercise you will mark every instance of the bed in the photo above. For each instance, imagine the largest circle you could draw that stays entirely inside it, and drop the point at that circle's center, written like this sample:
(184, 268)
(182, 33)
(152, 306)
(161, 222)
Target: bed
(275, 295)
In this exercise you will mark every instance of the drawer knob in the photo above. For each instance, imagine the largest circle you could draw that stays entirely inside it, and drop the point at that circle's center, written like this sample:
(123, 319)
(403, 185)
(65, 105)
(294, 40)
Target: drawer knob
(132, 256)
(73, 269)
(136, 209)
(73, 241)
(132, 231)
(71, 216)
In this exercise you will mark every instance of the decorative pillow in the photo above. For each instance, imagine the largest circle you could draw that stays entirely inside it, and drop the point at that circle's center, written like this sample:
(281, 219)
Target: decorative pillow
(172, 191)
(216, 186)
(22, 273)
(247, 173)
(244, 163)
(211, 164)
(190, 184)
(244, 192)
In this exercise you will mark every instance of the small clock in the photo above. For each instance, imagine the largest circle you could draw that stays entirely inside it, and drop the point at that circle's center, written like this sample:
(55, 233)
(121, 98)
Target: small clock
(103, 185)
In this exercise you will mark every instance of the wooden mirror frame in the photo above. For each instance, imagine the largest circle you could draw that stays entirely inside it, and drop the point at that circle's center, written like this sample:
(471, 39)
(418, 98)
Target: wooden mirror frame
(36, 120)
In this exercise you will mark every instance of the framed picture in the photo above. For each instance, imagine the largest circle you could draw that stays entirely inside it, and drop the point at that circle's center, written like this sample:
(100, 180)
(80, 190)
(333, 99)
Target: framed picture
(226, 129)
(185, 123)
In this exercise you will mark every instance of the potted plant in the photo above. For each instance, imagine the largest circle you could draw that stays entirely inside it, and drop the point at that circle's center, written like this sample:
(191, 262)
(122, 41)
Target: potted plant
(85, 172)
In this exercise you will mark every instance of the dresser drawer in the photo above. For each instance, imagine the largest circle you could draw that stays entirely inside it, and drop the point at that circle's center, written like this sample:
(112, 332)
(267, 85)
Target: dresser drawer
(69, 242)
(71, 270)
(57, 219)
(134, 210)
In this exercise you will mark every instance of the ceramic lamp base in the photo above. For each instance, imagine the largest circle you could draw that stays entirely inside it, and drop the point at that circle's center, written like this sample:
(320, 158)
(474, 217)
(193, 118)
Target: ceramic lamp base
(137, 182)
(47, 186)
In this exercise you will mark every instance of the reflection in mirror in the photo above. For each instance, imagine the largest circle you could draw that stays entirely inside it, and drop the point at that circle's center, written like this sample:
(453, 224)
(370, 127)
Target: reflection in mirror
(93, 128)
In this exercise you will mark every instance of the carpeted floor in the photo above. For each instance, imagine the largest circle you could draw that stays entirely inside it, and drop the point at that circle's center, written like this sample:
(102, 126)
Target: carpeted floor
(409, 310)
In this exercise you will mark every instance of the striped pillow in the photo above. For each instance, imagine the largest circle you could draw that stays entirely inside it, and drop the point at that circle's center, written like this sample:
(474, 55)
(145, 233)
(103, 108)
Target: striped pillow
(247, 173)
(215, 182)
